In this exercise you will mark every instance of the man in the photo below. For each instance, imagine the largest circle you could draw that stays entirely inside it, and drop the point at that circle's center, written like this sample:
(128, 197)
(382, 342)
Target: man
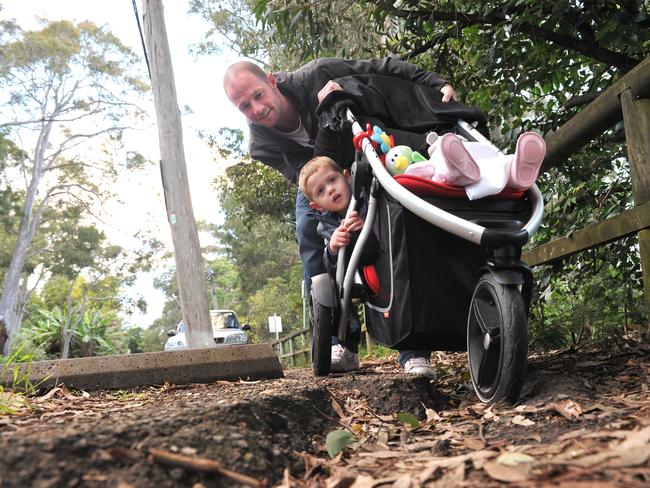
(285, 134)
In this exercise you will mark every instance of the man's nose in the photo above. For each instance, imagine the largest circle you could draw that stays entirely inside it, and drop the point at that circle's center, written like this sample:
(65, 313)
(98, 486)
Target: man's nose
(258, 108)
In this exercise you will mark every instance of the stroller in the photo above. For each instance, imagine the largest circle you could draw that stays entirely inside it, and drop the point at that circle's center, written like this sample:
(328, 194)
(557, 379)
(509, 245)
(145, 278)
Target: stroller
(449, 275)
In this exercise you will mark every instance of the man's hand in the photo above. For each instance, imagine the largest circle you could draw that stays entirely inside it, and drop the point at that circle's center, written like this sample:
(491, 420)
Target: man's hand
(448, 93)
(329, 87)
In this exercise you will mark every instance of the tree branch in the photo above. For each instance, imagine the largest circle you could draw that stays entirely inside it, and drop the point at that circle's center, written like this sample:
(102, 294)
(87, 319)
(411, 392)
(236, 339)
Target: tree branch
(590, 49)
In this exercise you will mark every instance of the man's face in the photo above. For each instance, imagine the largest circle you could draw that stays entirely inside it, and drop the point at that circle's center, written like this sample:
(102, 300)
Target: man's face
(329, 190)
(258, 99)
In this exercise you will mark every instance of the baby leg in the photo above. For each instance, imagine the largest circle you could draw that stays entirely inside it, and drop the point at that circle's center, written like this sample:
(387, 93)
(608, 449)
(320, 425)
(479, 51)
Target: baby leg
(527, 160)
(456, 166)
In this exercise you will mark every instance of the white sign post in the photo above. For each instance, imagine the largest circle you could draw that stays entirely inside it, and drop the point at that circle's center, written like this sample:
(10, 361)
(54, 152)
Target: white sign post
(275, 325)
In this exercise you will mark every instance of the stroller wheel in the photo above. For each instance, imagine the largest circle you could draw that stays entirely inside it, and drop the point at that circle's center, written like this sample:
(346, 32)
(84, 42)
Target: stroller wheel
(497, 340)
(320, 323)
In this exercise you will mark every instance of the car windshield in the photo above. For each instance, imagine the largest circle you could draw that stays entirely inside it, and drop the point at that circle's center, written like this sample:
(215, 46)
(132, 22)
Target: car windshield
(181, 328)
(227, 320)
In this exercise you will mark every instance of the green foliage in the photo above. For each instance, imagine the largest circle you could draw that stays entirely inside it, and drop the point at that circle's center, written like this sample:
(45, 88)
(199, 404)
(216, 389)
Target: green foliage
(17, 367)
(589, 300)
(281, 297)
(252, 190)
(134, 340)
(96, 332)
(127, 396)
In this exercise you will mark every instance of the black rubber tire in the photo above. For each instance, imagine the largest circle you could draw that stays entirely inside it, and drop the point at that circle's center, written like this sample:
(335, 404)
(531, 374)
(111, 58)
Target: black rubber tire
(320, 323)
(497, 340)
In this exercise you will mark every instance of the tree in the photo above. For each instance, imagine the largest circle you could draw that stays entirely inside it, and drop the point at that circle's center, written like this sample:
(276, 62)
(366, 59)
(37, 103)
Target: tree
(279, 296)
(62, 86)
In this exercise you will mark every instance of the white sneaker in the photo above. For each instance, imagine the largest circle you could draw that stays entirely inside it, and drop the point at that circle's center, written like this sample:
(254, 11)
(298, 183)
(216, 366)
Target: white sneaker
(419, 366)
(343, 359)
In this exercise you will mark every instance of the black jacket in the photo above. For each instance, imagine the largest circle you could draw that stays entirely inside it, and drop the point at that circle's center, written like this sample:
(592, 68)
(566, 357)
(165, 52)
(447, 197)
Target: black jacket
(302, 86)
(401, 105)
(328, 222)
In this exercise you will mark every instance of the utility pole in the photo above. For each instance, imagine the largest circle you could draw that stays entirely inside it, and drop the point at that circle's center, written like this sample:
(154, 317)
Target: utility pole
(187, 251)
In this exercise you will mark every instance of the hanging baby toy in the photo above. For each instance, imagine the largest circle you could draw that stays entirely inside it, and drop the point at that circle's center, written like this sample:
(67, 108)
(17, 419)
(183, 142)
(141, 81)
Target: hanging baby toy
(401, 157)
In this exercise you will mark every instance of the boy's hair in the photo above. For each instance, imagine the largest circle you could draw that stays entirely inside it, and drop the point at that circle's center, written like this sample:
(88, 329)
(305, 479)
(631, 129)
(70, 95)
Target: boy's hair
(311, 167)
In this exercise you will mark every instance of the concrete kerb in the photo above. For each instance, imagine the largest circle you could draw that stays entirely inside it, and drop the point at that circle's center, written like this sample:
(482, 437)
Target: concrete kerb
(247, 362)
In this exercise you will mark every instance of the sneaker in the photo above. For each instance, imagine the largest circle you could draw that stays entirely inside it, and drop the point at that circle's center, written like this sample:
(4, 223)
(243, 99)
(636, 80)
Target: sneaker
(419, 366)
(343, 359)
(527, 160)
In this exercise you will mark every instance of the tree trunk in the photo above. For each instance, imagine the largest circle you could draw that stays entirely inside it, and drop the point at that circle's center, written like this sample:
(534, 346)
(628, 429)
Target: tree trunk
(9, 302)
(28, 225)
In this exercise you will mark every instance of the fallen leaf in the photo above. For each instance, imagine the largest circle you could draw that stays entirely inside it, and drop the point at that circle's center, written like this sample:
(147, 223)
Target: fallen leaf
(408, 418)
(337, 440)
(472, 443)
(356, 428)
(514, 458)
(404, 481)
(337, 408)
(432, 415)
(523, 421)
(510, 466)
(49, 394)
(633, 451)
(339, 482)
(363, 481)
(501, 472)
(380, 454)
(567, 408)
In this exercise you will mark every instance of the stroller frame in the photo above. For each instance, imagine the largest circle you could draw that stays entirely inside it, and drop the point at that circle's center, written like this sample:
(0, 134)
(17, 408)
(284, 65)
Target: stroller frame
(497, 352)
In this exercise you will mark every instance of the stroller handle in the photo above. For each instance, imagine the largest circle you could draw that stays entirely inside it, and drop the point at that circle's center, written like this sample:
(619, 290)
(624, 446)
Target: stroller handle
(454, 225)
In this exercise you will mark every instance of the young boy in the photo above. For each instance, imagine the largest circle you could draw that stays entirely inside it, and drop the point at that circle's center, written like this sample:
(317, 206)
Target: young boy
(327, 187)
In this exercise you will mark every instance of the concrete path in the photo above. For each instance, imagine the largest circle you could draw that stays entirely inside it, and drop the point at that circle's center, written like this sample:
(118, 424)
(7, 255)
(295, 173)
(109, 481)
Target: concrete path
(246, 362)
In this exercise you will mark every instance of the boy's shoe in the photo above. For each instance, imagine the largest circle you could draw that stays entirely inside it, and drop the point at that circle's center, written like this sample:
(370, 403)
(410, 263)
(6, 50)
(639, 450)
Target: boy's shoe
(343, 359)
(527, 160)
(462, 169)
(420, 366)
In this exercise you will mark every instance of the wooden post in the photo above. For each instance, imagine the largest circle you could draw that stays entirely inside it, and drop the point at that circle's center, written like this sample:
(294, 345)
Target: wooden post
(636, 117)
(187, 251)
(306, 345)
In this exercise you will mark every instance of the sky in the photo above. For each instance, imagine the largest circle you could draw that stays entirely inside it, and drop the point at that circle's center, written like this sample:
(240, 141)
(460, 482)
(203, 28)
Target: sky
(140, 202)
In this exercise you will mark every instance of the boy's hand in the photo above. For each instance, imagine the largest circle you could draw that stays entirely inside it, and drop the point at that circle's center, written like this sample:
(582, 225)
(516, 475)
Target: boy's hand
(354, 222)
(340, 238)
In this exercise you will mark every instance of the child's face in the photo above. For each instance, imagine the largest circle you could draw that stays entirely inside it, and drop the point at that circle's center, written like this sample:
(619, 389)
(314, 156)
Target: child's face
(330, 190)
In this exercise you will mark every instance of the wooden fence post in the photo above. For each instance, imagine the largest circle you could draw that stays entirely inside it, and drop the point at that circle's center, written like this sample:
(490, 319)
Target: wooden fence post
(636, 117)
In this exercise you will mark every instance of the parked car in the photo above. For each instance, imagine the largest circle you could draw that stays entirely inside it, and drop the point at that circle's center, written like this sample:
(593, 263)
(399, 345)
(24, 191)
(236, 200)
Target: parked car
(226, 330)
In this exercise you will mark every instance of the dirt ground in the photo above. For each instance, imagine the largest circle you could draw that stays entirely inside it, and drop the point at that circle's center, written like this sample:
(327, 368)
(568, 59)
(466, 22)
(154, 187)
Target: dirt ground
(583, 419)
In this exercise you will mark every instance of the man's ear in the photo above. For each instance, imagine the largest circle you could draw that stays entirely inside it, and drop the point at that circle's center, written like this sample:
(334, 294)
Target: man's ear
(271, 79)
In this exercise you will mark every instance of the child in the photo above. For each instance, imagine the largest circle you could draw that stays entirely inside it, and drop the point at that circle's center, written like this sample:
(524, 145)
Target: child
(478, 167)
(327, 187)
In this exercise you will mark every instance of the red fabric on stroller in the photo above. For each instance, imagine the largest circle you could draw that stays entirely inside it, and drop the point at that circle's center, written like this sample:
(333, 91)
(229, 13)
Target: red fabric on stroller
(424, 187)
